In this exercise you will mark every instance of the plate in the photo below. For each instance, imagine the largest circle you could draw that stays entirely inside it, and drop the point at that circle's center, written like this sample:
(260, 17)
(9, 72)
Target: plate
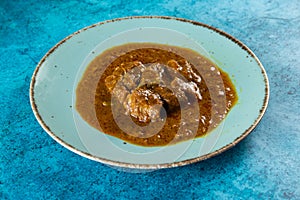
(53, 85)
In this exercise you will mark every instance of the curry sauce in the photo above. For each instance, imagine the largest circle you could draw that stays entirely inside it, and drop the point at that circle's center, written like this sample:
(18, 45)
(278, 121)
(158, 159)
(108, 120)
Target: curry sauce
(153, 94)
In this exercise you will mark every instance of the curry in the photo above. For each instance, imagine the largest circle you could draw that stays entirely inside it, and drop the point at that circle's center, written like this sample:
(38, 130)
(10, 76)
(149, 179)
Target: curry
(154, 95)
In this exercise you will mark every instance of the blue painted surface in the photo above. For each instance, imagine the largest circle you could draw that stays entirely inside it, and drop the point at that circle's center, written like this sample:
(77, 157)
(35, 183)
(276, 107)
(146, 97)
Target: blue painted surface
(266, 165)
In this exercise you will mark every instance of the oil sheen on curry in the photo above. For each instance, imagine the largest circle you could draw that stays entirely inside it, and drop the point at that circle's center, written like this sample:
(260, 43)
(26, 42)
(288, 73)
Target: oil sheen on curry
(154, 95)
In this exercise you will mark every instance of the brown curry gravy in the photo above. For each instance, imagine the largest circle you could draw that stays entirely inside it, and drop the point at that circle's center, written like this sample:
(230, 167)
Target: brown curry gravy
(93, 99)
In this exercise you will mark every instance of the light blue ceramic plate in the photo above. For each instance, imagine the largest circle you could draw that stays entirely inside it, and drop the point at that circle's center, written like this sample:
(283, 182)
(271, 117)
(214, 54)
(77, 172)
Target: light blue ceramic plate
(55, 79)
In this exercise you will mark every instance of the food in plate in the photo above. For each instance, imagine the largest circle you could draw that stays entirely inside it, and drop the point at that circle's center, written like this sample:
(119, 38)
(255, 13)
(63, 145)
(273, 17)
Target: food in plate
(154, 94)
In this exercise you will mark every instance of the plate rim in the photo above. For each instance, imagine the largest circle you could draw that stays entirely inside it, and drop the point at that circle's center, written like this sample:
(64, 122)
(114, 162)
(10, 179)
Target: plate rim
(149, 166)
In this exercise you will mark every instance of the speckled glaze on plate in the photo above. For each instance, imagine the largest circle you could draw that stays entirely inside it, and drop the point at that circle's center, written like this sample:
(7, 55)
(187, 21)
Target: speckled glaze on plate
(57, 74)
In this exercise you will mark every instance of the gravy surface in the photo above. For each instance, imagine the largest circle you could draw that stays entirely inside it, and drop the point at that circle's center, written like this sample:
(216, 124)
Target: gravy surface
(154, 95)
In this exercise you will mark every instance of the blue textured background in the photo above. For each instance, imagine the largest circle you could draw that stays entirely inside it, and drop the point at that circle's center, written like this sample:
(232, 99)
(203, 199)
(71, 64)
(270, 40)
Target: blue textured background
(266, 165)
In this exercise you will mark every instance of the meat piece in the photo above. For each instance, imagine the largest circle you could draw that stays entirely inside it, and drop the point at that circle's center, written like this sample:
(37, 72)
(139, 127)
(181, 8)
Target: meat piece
(120, 92)
(152, 75)
(127, 74)
(143, 104)
(174, 64)
(171, 103)
(130, 80)
(185, 68)
(186, 92)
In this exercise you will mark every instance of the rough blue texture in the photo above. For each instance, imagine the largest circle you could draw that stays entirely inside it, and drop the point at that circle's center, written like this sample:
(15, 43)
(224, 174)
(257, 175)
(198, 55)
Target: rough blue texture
(266, 165)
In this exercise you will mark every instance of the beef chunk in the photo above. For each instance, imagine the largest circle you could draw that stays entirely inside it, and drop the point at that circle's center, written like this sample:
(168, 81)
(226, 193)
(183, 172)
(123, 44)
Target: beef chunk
(143, 104)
